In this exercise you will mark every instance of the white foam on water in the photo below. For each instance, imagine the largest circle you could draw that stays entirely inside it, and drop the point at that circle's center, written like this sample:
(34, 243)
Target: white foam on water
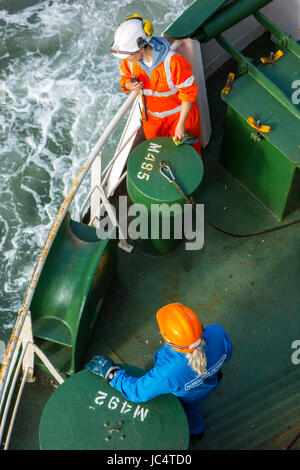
(59, 89)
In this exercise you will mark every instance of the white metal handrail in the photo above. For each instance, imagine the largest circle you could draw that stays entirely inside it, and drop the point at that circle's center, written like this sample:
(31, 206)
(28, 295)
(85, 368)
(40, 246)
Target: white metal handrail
(13, 346)
(109, 165)
(11, 391)
(12, 421)
(105, 172)
(110, 193)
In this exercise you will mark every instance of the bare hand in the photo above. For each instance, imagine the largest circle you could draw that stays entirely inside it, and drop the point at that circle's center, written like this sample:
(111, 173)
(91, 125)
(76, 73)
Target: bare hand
(179, 132)
(136, 86)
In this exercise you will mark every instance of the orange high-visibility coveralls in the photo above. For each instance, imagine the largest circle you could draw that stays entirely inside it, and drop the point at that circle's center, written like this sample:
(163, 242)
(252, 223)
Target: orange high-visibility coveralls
(171, 82)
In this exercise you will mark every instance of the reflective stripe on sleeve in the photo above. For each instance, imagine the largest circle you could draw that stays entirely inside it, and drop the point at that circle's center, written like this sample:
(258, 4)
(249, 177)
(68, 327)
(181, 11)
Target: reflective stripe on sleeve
(165, 113)
(188, 82)
(167, 64)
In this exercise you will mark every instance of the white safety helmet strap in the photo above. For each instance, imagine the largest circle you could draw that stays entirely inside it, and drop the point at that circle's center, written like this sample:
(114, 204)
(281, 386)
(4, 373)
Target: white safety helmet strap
(191, 346)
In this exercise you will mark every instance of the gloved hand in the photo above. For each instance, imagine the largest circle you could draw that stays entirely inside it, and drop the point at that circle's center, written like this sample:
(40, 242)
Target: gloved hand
(187, 139)
(103, 366)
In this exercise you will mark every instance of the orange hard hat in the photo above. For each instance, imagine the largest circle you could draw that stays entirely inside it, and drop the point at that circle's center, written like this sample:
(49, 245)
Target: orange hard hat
(180, 327)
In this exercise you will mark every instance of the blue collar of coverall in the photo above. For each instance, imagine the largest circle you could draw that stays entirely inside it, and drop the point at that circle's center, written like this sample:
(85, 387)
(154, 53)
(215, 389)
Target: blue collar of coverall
(160, 47)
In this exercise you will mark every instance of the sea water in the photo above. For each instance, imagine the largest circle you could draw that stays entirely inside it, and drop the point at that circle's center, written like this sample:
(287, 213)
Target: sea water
(59, 89)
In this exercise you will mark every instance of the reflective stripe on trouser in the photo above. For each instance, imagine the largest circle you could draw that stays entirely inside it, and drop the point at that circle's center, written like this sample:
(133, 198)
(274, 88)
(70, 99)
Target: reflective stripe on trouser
(158, 127)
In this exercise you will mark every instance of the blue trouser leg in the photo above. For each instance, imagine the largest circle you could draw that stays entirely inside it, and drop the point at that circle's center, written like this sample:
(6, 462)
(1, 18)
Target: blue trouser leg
(191, 404)
(194, 416)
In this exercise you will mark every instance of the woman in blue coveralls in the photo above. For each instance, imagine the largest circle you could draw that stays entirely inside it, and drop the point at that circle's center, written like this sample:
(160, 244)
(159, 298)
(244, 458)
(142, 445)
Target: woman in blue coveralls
(188, 365)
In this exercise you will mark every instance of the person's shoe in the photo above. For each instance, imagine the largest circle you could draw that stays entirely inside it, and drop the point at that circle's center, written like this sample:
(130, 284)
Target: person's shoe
(196, 437)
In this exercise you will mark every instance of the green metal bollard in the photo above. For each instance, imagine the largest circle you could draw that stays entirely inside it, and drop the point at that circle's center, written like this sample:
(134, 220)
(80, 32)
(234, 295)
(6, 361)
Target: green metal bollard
(159, 218)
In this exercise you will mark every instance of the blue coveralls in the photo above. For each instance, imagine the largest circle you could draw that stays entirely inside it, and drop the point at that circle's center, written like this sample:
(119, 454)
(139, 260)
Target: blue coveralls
(172, 374)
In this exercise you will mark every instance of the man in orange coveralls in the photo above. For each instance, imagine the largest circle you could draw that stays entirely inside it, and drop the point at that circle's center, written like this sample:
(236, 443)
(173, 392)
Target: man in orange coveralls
(164, 78)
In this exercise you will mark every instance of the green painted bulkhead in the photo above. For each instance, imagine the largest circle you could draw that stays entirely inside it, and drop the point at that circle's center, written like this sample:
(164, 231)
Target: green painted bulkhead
(70, 292)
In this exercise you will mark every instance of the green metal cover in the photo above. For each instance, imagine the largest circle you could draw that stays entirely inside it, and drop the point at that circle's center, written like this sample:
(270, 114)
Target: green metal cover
(192, 18)
(86, 413)
(284, 73)
(205, 18)
(228, 16)
(147, 186)
(267, 166)
(248, 98)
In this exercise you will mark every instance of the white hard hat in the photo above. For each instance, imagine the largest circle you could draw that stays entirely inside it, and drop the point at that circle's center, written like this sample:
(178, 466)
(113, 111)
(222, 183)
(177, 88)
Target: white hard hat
(131, 36)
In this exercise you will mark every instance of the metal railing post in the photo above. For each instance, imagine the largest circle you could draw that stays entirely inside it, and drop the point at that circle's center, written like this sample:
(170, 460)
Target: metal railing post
(95, 195)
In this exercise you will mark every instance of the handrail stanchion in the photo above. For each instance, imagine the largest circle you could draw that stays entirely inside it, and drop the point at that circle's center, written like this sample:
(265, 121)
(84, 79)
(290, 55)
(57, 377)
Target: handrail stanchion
(95, 196)
(105, 172)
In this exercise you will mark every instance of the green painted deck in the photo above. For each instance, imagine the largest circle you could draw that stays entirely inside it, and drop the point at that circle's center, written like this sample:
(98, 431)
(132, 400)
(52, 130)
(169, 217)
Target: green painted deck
(249, 285)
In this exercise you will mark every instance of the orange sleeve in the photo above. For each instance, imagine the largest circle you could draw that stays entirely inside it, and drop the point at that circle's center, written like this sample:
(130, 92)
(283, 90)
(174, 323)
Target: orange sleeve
(126, 75)
(183, 78)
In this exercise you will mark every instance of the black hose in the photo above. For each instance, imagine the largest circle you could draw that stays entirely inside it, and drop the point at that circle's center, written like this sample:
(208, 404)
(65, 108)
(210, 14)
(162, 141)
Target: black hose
(190, 200)
(292, 442)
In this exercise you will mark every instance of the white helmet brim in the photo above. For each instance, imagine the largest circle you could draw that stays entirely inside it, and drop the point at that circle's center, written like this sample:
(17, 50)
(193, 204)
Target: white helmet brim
(126, 38)
(115, 50)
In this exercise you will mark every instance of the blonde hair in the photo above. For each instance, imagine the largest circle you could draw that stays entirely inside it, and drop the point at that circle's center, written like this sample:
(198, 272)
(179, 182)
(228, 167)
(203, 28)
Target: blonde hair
(197, 359)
